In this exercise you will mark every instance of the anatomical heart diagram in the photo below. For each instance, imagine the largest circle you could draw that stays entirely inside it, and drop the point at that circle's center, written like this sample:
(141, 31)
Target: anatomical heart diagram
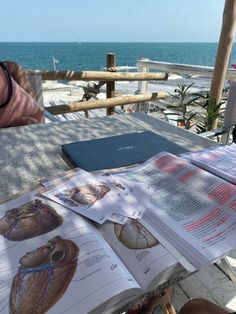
(43, 277)
(85, 195)
(134, 235)
(29, 220)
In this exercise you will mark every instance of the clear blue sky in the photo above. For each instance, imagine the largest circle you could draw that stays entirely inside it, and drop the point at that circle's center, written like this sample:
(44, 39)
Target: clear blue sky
(111, 20)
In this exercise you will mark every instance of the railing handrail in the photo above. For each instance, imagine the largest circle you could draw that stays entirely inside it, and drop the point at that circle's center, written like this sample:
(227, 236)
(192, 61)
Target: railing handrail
(204, 71)
(97, 75)
(105, 103)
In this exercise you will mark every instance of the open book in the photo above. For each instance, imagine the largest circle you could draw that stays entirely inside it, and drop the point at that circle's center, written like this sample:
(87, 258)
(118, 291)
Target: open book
(60, 262)
(57, 261)
(192, 212)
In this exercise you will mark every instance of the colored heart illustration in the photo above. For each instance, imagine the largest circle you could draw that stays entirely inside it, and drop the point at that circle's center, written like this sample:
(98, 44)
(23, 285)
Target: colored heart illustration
(43, 277)
(29, 220)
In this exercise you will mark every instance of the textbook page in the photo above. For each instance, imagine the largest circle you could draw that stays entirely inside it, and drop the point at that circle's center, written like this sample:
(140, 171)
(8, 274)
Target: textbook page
(86, 195)
(199, 224)
(100, 197)
(149, 262)
(204, 182)
(56, 181)
(221, 161)
(57, 261)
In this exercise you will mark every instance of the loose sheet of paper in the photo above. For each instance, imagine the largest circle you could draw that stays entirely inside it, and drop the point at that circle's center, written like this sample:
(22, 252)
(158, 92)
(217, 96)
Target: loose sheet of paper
(100, 198)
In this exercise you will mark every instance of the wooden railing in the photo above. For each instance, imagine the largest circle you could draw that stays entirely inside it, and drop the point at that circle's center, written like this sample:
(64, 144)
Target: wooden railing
(205, 71)
(145, 64)
(98, 76)
(105, 103)
(109, 77)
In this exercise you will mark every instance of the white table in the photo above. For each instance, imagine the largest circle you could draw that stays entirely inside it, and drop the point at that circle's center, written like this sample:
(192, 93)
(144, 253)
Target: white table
(31, 153)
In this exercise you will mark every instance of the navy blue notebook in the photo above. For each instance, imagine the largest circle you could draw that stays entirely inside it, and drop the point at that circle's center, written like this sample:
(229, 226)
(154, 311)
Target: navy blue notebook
(118, 151)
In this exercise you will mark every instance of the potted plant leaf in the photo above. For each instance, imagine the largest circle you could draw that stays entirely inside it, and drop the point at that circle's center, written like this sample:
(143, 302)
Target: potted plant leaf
(211, 112)
(183, 98)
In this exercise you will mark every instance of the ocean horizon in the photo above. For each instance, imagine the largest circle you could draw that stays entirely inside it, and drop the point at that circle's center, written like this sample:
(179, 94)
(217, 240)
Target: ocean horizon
(92, 55)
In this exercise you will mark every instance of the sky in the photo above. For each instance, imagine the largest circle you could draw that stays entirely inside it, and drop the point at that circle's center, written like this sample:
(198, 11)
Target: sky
(111, 20)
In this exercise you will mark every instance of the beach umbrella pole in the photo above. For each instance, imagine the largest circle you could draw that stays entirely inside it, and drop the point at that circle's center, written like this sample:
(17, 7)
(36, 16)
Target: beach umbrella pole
(223, 52)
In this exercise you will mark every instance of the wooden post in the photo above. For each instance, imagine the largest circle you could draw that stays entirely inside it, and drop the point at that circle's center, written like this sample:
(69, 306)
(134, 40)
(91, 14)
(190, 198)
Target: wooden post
(142, 85)
(142, 88)
(111, 62)
(223, 52)
(35, 79)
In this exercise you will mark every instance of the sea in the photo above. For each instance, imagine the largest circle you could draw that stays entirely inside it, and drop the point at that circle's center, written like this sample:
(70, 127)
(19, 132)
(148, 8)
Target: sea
(81, 56)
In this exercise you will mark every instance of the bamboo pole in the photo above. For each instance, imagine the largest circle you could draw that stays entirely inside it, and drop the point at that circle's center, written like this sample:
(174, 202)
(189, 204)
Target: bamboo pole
(99, 76)
(104, 103)
(223, 52)
(110, 91)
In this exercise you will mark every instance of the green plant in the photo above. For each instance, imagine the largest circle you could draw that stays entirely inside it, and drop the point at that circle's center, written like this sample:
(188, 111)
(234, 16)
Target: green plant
(184, 99)
(211, 112)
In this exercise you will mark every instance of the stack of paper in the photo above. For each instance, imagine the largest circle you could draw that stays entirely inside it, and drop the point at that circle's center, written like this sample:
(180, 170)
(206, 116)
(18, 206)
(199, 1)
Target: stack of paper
(100, 198)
